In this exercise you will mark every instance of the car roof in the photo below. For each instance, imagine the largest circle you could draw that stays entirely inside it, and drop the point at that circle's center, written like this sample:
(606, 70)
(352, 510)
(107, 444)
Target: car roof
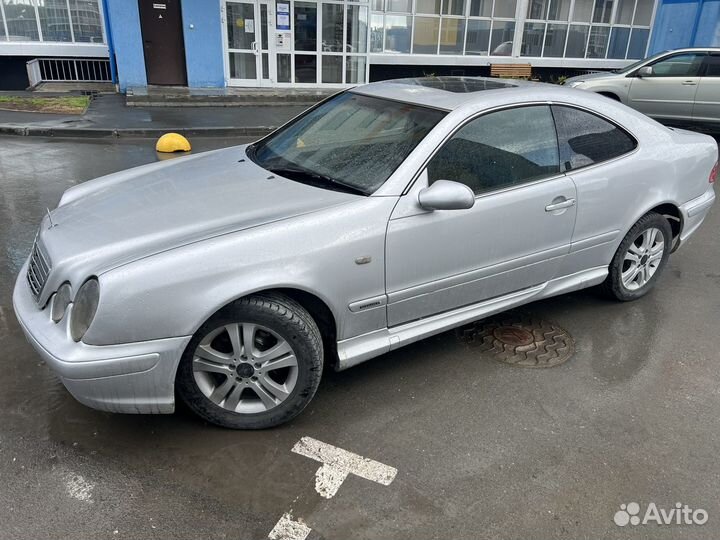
(449, 93)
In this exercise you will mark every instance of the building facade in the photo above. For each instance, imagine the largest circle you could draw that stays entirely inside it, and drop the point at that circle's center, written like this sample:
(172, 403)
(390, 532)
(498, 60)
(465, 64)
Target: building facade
(335, 43)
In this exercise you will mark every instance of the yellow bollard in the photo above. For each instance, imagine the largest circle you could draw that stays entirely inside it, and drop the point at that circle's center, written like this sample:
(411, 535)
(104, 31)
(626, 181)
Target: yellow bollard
(172, 142)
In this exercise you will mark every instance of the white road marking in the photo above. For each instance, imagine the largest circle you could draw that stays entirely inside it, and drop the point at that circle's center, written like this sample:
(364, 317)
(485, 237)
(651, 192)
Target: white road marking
(338, 463)
(77, 487)
(289, 529)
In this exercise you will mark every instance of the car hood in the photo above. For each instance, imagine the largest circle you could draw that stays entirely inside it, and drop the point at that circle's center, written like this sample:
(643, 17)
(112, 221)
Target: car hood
(591, 76)
(125, 216)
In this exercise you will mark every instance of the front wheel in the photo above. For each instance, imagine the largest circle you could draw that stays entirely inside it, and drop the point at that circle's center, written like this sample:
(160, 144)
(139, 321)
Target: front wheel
(640, 259)
(254, 365)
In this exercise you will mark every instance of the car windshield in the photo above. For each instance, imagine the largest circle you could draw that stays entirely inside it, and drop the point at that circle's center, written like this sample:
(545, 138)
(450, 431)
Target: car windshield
(637, 64)
(349, 143)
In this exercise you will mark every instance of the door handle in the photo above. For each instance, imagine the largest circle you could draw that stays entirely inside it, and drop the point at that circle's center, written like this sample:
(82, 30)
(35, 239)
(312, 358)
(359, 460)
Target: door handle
(689, 83)
(567, 203)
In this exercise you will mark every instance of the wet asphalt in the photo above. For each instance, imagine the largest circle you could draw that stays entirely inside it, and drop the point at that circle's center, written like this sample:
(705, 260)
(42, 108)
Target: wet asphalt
(482, 449)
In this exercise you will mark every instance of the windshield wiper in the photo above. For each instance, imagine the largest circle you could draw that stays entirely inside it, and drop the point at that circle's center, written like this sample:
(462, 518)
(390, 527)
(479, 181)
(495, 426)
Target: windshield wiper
(320, 180)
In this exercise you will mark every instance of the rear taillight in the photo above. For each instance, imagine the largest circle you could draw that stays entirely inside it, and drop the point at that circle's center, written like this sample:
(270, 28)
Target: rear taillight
(714, 173)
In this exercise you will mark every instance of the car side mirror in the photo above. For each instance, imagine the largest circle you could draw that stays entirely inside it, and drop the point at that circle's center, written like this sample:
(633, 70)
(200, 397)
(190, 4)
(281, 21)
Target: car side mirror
(446, 195)
(645, 71)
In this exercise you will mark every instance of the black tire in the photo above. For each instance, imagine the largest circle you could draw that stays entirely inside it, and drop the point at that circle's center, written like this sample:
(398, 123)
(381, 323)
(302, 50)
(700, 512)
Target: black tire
(613, 286)
(289, 320)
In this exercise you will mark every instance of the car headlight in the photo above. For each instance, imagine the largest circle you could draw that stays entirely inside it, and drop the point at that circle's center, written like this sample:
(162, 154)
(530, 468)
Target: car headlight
(574, 84)
(60, 302)
(84, 308)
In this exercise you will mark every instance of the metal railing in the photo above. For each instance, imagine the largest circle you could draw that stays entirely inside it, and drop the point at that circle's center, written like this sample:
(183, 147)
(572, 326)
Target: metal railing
(68, 70)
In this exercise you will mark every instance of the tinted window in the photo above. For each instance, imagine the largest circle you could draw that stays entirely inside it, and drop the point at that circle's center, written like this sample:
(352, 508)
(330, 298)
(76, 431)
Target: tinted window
(680, 65)
(586, 139)
(499, 149)
(712, 66)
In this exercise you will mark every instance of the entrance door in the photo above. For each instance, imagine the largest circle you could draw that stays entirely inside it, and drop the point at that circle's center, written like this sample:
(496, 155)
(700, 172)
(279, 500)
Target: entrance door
(161, 26)
(250, 57)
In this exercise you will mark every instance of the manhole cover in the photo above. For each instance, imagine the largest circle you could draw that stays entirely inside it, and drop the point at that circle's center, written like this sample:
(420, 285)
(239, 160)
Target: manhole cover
(519, 339)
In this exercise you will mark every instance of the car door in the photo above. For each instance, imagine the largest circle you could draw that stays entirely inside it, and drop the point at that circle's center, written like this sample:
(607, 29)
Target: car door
(669, 91)
(516, 234)
(707, 98)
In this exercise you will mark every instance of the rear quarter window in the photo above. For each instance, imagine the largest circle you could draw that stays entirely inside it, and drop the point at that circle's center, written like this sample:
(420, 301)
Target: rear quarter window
(586, 139)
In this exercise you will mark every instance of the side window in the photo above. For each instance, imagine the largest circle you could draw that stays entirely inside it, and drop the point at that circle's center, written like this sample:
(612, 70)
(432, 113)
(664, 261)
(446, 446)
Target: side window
(712, 66)
(586, 139)
(499, 149)
(680, 65)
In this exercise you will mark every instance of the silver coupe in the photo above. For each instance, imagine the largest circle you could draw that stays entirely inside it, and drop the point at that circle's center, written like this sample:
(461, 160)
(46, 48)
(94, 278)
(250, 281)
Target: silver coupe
(383, 215)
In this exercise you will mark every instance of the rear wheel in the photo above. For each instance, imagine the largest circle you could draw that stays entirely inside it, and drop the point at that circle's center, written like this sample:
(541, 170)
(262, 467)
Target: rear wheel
(640, 258)
(255, 365)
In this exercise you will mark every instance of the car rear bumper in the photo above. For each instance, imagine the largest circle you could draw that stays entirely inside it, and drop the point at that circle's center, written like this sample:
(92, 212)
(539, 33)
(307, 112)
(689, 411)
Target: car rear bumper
(126, 378)
(694, 213)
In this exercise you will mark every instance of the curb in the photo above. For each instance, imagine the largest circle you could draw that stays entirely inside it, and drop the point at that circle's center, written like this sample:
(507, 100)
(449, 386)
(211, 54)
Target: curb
(30, 131)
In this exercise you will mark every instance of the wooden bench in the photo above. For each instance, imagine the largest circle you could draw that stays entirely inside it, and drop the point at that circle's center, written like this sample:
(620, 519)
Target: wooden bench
(511, 71)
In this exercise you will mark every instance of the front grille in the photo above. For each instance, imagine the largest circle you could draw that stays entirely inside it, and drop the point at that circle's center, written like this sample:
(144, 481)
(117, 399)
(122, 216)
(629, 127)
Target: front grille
(38, 270)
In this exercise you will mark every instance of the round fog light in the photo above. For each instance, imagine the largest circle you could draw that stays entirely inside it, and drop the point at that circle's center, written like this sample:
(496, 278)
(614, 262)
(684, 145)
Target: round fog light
(84, 307)
(60, 302)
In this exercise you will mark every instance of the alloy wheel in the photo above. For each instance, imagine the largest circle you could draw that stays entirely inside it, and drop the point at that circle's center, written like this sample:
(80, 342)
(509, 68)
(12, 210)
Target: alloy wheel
(642, 258)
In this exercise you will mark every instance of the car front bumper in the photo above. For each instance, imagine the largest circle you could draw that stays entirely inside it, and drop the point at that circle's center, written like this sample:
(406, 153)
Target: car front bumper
(125, 378)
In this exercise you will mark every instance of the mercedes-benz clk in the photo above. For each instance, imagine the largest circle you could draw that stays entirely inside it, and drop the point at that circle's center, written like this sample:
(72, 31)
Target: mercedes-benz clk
(383, 215)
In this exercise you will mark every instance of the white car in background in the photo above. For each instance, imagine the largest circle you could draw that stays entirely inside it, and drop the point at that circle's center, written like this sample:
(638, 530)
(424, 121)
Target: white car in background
(680, 86)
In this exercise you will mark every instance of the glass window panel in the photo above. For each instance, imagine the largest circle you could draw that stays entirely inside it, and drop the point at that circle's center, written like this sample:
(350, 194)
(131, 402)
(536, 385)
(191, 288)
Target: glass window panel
(376, 32)
(478, 36)
(679, 65)
(283, 68)
(332, 27)
(576, 41)
(559, 10)
(2, 27)
(501, 38)
(532, 39)
(505, 8)
(243, 66)
(603, 11)
(481, 8)
(377, 5)
(638, 43)
(555, 40)
(331, 69)
(305, 68)
(425, 36)
(586, 139)
(427, 6)
(54, 20)
(397, 33)
(237, 14)
(21, 21)
(86, 21)
(537, 9)
(618, 42)
(263, 27)
(624, 13)
(582, 11)
(265, 66)
(452, 35)
(454, 7)
(500, 149)
(598, 42)
(643, 12)
(305, 27)
(356, 32)
(400, 6)
(355, 70)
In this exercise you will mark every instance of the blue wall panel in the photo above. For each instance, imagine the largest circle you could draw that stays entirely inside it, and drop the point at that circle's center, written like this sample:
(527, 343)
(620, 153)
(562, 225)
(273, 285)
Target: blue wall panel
(124, 20)
(203, 42)
(708, 30)
(674, 25)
